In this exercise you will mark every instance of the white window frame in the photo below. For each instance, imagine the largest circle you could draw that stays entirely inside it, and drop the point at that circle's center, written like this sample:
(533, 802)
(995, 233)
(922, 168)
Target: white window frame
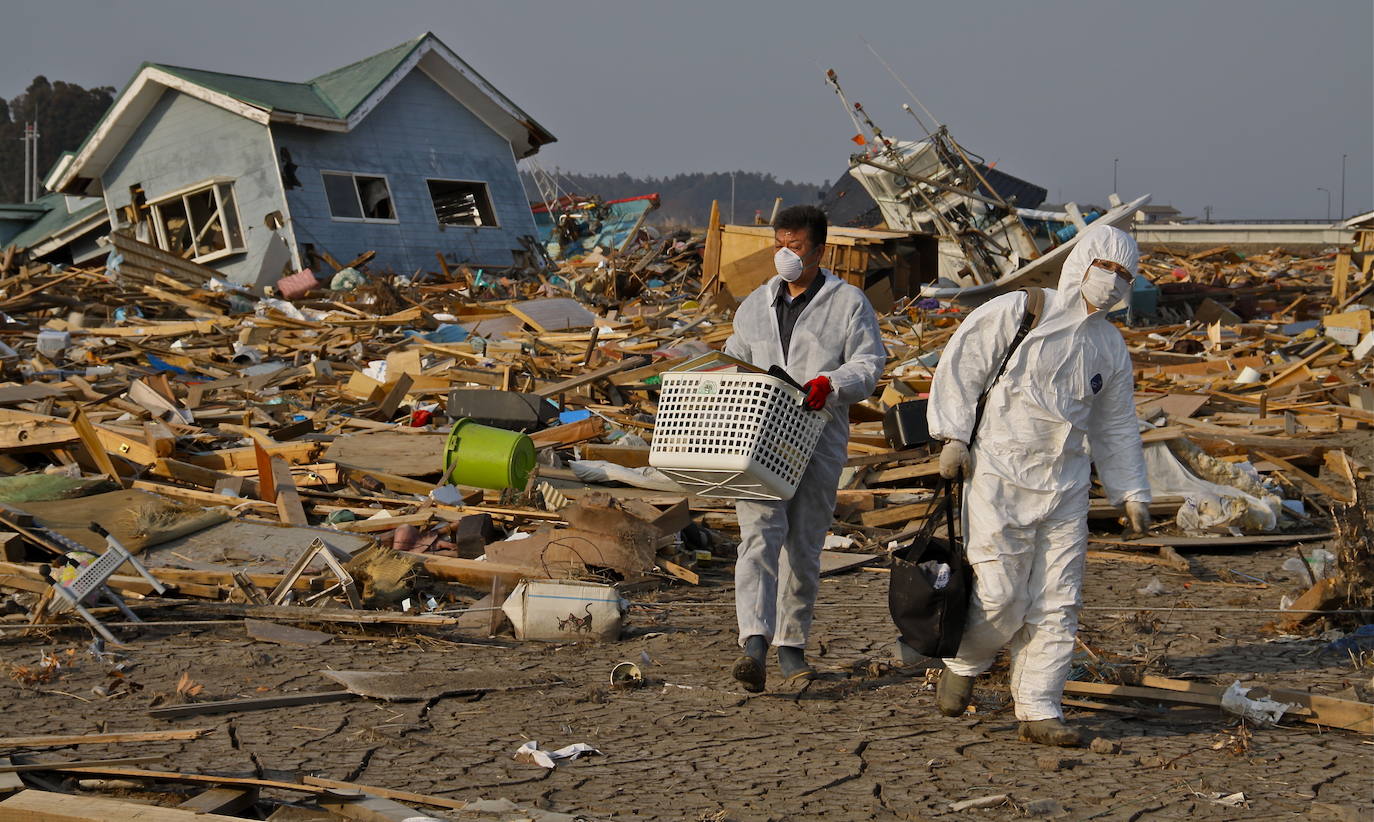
(486, 187)
(354, 175)
(214, 184)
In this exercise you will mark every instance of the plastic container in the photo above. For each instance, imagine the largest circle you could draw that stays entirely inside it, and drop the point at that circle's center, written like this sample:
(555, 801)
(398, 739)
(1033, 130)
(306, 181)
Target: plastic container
(737, 436)
(487, 457)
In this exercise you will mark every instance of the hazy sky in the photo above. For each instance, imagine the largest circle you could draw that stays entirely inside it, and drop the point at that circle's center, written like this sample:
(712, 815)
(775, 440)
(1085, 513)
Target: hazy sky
(1244, 105)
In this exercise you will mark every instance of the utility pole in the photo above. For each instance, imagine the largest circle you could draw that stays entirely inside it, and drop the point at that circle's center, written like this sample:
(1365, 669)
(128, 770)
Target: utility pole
(1115, 160)
(1328, 202)
(25, 196)
(732, 198)
(1207, 214)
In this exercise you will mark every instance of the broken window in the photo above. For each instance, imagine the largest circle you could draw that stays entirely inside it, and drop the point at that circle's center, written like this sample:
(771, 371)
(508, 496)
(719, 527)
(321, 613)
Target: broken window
(462, 203)
(199, 224)
(358, 197)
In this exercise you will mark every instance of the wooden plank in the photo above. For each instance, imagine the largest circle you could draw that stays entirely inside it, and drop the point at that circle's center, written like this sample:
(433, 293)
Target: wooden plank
(387, 793)
(22, 430)
(129, 446)
(251, 704)
(579, 431)
(372, 809)
(202, 497)
(553, 314)
(244, 458)
(289, 506)
(221, 800)
(1212, 542)
(897, 514)
(94, 447)
(395, 393)
(1318, 485)
(472, 572)
(98, 763)
(592, 376)
(393, 482)
(159, 438)
(45, 806)
(204, 779)
(9, 782)
(1315, 709)
(370, 526)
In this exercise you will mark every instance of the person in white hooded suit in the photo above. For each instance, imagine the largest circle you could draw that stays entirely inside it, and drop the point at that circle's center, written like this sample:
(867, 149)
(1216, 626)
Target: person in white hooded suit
(1064, 403)
(824, 333)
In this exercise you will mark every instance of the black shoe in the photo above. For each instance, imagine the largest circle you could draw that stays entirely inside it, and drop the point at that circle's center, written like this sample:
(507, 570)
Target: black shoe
(794, 666)
(954, 693)
(749, 668)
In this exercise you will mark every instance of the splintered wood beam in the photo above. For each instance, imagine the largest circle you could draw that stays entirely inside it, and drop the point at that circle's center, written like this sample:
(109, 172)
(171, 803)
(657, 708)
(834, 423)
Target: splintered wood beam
(63, 740)
(46, 806)
(90, 439)
(288, 498)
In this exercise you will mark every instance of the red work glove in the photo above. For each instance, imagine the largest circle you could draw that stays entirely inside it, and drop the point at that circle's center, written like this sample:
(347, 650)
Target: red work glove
(816, 393)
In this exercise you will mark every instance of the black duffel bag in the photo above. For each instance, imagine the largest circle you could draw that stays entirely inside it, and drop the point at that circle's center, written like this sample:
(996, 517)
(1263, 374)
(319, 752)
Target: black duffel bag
(930, 585)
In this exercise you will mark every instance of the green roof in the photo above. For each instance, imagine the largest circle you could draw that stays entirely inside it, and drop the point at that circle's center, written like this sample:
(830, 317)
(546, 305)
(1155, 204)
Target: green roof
(53, 221)
(333, 95)
(348, 87)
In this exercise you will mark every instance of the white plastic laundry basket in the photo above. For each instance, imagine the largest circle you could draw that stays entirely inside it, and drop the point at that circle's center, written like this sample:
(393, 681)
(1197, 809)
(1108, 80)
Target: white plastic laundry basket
(738, 436)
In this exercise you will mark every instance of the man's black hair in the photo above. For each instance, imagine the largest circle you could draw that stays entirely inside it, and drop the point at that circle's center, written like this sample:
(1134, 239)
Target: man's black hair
(808, 217)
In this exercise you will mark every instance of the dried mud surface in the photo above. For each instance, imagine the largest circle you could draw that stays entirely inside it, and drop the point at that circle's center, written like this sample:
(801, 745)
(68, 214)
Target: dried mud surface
(864, 742)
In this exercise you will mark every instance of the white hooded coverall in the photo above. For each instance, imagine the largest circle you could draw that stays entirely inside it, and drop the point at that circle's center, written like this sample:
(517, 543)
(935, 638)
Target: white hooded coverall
(778, 568)
(1067, 392)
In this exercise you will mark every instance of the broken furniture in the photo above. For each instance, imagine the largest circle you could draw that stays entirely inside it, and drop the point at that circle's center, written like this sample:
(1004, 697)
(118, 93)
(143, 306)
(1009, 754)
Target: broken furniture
(91, 583)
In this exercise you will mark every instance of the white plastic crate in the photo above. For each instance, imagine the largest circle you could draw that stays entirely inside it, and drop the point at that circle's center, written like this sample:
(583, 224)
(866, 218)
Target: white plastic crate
(738, 436)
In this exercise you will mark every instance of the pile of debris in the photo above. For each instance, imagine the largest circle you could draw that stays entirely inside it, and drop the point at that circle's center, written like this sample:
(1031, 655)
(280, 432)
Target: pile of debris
(289, 458)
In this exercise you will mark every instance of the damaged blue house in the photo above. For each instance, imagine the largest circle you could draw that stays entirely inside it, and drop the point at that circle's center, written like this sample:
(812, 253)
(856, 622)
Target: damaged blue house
(407, 153)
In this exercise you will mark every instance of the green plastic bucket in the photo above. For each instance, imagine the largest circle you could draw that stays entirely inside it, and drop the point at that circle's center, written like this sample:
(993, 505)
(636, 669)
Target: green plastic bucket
(487, 457)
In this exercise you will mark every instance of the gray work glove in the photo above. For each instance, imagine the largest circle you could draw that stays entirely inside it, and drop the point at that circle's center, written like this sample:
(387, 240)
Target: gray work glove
(953, 459)
(1138, 516)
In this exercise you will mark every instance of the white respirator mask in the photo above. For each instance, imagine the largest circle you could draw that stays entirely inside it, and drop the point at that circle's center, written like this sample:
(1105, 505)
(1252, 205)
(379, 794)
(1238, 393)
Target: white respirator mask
(788, 264)
(1103, 288)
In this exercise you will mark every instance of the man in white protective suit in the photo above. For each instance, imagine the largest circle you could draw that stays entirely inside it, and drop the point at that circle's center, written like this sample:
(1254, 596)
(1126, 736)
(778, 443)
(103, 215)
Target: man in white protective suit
(824, 334)
(1064, 402)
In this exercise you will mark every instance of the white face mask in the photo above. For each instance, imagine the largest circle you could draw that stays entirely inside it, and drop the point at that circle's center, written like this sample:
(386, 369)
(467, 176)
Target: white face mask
(1102, 288)
(788, 264)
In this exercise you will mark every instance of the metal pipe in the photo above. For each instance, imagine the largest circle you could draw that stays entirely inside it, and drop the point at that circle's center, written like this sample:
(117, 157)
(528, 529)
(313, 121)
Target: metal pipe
(932, 183)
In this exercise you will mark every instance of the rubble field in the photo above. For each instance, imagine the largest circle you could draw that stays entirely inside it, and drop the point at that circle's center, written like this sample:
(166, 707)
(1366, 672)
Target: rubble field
(330, 605)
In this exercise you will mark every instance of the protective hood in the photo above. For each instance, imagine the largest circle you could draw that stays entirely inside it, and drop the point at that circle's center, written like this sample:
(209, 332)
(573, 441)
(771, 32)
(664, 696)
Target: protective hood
(1100, 242)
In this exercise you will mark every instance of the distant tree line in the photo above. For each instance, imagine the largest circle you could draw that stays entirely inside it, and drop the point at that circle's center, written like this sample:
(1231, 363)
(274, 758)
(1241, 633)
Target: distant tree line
(65, 113)
(686, 198)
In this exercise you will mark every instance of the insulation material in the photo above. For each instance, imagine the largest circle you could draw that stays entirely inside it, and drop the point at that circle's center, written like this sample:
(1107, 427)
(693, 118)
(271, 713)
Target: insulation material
(1210, 507)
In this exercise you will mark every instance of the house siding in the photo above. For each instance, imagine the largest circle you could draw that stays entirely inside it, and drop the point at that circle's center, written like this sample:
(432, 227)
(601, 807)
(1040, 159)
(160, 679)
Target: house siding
(184, 141)
(417, 132)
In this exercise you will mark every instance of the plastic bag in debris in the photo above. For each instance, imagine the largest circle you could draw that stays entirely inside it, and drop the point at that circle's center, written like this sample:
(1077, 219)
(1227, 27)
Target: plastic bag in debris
(603, 471)
(347, 279)
(936, 573)
(1356, 642)
(531, 753)
(1321, 562)
(1262, 711)
(1242, 505)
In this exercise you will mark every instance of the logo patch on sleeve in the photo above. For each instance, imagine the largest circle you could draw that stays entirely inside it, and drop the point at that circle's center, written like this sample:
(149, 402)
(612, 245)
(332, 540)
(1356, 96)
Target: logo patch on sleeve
(1096, 383)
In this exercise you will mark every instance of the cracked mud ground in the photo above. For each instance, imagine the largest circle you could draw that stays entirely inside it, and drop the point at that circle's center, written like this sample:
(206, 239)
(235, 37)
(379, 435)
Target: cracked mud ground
(862, 743)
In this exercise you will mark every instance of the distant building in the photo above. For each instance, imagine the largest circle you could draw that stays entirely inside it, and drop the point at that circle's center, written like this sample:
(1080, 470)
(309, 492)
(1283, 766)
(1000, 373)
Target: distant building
(1160, 214)
(406, 153)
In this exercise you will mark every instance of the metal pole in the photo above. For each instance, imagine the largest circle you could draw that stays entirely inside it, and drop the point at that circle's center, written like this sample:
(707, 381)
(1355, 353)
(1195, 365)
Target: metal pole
(1115, 160)
(732, 198)
(27, 166)
(1328, 202)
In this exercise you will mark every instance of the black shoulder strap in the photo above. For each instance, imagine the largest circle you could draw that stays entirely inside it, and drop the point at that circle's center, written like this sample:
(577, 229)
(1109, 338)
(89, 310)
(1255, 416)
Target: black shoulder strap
(1035, 305)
